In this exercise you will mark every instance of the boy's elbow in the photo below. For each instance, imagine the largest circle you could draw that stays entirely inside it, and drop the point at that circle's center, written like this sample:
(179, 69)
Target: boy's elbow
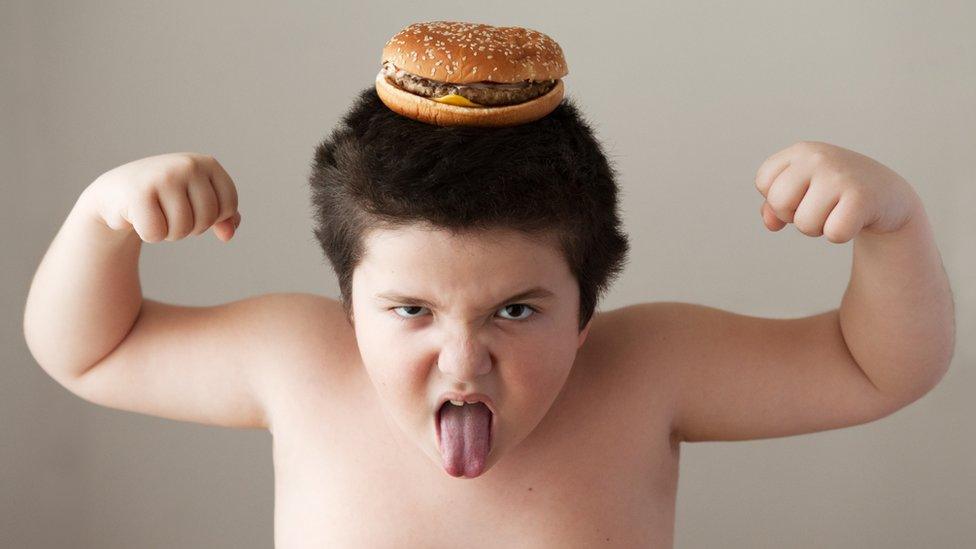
(45, 359)
(919, 389)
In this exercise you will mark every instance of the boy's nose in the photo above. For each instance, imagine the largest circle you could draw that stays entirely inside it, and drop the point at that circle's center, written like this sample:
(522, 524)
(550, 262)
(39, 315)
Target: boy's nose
(464, 358)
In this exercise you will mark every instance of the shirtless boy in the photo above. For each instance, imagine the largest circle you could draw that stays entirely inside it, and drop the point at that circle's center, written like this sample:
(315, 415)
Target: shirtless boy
(470, 263)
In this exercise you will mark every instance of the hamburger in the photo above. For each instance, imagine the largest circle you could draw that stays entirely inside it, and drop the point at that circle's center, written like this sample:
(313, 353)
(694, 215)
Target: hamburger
(451, 73)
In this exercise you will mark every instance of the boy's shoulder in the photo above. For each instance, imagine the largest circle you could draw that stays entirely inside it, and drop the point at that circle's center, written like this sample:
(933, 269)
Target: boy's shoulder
(311, 340)
(632, 353)
(643, 331)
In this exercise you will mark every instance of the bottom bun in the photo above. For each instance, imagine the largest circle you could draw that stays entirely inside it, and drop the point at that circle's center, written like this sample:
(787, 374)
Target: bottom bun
(440, 114)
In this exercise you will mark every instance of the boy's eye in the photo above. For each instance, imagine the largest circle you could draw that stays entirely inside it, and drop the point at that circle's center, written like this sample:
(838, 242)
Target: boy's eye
(520, 311)
(408, 316)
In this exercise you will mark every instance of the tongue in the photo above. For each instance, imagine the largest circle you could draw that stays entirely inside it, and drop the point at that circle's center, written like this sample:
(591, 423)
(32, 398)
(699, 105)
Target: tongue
(465, 438)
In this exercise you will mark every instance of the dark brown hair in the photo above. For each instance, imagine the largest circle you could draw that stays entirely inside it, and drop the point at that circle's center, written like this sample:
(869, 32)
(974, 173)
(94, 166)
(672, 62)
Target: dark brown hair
(545, 178)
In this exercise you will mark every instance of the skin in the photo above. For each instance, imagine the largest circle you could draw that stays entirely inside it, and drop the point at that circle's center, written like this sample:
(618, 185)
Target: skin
(897, 315)
(520, 357)
(589, 423)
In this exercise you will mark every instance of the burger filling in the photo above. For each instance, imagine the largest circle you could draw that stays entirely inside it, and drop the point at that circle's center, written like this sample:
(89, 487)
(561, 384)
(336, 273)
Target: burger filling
(480, 93)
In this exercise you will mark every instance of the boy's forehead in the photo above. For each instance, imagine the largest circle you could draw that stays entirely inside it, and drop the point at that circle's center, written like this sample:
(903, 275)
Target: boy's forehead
(418, 254)
(498, 241)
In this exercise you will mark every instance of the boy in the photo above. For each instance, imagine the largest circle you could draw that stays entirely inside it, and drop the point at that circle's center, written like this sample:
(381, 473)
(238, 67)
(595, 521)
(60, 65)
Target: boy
(470, 262)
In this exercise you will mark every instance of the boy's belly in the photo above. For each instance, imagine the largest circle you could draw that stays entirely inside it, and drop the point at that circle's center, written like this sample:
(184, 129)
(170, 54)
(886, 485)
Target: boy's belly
(581, 479)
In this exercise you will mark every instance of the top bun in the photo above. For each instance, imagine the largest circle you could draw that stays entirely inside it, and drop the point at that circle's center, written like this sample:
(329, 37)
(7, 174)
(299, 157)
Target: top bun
(464, 53)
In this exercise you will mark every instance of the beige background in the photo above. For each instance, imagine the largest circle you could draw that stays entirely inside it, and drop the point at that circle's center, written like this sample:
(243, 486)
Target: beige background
(688, 99)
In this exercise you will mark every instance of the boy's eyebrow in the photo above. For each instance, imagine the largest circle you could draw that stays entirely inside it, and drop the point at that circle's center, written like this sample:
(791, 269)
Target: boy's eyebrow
(536, 292)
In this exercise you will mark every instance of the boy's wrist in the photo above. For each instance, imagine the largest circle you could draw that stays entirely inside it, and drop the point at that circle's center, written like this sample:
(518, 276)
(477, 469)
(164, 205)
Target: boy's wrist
(87, 213)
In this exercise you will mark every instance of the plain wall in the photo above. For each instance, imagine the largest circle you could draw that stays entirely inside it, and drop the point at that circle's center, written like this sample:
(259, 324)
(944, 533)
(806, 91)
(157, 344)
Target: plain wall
(688, 99)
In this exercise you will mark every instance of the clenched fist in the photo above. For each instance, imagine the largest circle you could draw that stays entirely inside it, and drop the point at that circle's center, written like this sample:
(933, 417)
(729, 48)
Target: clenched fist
(167, 197)
(828, 190)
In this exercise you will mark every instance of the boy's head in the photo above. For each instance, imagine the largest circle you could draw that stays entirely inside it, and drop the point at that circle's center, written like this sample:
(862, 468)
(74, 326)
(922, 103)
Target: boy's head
(379, 170)
(432, 229)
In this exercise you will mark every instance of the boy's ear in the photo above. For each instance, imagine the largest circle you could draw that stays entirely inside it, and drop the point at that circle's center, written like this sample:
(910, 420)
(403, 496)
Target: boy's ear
(584, 332)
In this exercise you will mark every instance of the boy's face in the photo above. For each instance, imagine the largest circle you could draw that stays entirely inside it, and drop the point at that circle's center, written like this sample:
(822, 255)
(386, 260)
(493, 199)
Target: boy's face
(468, 340)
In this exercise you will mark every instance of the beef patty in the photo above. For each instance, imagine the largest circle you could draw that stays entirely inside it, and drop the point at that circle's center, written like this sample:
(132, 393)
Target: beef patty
(483, 93)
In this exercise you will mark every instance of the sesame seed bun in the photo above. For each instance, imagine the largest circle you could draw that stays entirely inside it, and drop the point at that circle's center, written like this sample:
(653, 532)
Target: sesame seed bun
(502, 69)
(463, 53)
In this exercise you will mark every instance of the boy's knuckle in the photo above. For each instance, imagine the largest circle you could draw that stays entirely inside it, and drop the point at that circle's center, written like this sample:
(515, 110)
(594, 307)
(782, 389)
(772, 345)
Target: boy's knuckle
(812, 150)
(819, 157)
(184, 166)
(171, 179)
(855, 196)
(182, 161)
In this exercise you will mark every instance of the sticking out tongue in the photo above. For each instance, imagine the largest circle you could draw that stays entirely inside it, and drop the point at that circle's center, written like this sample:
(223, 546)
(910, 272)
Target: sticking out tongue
(465, 438)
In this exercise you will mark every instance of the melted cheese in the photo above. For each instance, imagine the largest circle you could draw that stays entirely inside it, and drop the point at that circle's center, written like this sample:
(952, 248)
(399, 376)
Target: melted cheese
(455, 99)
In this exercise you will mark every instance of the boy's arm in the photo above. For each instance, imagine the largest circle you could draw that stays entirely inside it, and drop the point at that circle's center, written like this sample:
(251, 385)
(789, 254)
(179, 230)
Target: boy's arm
(222, 365)
(85, 294)
(897, 314)
(891, 341)
(88, 327)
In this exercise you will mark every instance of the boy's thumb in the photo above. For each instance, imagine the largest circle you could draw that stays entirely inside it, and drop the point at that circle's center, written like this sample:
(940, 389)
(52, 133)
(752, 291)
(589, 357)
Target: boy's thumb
(225, 229)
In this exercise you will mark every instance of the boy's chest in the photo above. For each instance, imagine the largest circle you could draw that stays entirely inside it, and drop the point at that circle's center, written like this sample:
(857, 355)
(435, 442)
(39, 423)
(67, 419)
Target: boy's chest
(591, 477)
(331, 492)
